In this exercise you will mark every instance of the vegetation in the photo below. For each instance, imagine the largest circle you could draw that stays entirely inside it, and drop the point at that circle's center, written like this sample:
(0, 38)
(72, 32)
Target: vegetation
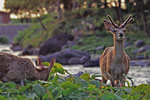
(71, 87)
(4, 40)
(88, 26)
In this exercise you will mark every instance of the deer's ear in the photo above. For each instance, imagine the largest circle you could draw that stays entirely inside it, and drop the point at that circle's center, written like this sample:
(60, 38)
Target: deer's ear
(108, 25)
(52, 62)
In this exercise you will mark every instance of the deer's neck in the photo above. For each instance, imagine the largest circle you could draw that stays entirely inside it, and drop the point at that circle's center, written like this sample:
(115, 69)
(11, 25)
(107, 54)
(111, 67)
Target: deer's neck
(118, 50)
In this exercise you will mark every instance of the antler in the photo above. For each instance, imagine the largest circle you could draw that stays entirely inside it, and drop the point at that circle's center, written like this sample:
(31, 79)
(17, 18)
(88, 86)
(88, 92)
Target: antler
(115, 25)
(128, 20)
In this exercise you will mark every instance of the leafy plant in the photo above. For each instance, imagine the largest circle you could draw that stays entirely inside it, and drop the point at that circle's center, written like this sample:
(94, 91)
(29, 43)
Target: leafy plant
(4, 40)
(62, 85)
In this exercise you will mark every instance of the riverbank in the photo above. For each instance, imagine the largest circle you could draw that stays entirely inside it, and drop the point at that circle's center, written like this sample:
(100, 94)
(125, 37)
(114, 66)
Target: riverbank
(139, 74)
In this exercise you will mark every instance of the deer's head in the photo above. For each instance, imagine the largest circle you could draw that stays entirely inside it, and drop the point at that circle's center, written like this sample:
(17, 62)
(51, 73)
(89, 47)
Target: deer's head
(43, 73)
(118, 31)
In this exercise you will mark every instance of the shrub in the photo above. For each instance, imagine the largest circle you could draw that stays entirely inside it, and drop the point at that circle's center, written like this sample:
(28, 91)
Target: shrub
(71, 87)
(4, 40)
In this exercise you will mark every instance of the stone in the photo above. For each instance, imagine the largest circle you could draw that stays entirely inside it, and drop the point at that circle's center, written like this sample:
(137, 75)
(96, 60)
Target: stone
(92, 63)
(75, 60)
(55, 43)
(16, 47)
(67, 56)
(29, 50)
(99, 48)
(139, 43)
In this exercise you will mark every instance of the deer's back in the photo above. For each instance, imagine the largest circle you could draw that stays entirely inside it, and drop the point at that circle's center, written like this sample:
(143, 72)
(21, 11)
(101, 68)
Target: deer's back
(13, 68)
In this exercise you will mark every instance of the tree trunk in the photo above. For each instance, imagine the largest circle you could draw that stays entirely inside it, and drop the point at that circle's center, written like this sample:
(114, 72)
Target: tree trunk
(138, 9)
(105, 3)
(120, 12)
(145, 19)
(59, 10)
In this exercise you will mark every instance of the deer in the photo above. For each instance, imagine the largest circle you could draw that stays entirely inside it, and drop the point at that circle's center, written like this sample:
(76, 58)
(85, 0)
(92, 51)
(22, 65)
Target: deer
(16, 69)
(114, 61)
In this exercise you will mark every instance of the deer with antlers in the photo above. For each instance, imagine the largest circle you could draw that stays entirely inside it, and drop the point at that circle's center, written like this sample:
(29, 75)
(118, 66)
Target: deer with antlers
(114, 61)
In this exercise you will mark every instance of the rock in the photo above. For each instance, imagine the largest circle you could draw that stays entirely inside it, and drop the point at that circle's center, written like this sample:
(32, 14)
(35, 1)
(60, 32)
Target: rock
(142, 49)
(29, 50)
(75, 60)
(16, 47)
(127, 44)
(55, 43)
(141, 63)
(145, 48)
(67, 56)
(135, 51)
(92, 63)
(139, 43)
(99, 48)
(78, 74)
(148, 81)
(142, 57)
(84, 59)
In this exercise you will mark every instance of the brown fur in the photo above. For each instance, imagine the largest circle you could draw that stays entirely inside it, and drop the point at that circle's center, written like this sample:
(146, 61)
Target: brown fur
(114, 61)
(14, 68)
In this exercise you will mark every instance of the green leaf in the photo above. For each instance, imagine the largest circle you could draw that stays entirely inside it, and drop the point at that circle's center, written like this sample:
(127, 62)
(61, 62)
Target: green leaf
(110, 96)
(10, 85)
(120, 92)
(68, 84)
(24, 88)
(81, 82)
(69, 87)
(57, 68)
(39, 90)
(3, 98)
(57, 92)
(22, 97)
(85, 76)
(45, 63)
(95, 82)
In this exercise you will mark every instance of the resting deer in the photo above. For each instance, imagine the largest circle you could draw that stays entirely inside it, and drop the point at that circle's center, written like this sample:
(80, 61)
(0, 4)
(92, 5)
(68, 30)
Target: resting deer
(114, 61)
(16, 69)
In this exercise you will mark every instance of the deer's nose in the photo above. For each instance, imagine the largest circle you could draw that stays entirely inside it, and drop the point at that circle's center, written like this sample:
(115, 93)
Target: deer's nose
(120, 34)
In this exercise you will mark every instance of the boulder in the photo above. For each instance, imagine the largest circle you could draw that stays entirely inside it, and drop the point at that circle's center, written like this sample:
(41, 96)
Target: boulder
(29, 50)
(141, 63)
(127, 44)
(55, 43)
(74, 60)
(67, 56)
(16, 47)
(99, 48)
(142, 49)
(92, 63)
(145, 48)
(139, 43)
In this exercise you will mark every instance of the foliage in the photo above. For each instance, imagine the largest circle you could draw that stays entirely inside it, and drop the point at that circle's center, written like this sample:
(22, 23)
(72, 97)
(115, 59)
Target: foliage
(71, 87)
(31, 35)
(25, 8)
(4, 40)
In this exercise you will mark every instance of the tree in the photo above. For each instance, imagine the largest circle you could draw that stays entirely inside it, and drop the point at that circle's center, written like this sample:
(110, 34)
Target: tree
(25, 8)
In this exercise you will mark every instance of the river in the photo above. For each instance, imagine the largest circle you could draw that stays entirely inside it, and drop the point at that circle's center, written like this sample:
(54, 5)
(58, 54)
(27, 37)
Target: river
(140, 75)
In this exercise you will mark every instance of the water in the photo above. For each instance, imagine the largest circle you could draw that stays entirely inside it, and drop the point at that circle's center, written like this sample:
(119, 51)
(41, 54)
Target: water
(139, 74)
